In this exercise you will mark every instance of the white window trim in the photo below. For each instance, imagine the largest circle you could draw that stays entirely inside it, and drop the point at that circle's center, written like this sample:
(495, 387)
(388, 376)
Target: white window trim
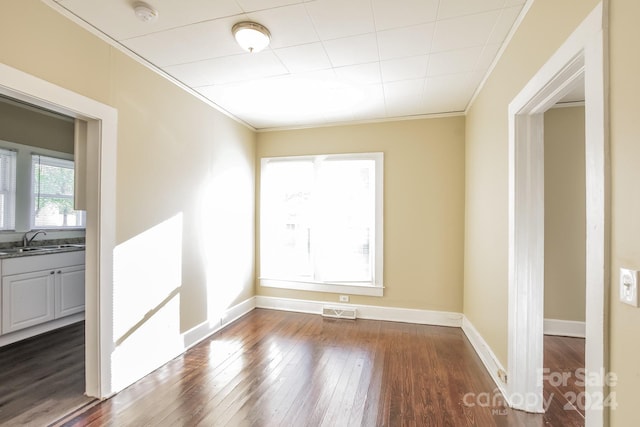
(57, 159)
(9, 192)
(23, 204)
(377, 289)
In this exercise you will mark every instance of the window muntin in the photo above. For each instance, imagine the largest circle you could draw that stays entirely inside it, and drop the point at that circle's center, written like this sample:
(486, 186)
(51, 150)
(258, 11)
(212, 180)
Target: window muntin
(321, 219)
(52, 193)
(7, 189)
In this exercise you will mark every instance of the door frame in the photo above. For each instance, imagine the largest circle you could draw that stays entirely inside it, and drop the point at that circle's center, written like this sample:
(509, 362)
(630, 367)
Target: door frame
(583, 55)
(101, 143)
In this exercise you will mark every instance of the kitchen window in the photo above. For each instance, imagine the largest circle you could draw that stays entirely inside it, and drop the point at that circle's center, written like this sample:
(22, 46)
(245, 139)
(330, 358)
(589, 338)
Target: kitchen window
(321, 223)
(52, 182)
(7, 189)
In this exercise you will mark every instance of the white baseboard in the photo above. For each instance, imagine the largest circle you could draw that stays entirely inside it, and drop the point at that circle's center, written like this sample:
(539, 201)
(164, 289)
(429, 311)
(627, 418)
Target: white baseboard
(488, 358)
(205, 329)
(40, 329)
(392, 314)
(564, 328)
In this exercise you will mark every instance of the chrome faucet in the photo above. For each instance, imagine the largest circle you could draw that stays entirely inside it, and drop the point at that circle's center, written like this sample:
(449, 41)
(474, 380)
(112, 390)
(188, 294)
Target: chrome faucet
(27, 241)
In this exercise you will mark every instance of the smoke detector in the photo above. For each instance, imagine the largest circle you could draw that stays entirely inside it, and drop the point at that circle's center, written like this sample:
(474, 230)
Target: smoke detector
(145, 12)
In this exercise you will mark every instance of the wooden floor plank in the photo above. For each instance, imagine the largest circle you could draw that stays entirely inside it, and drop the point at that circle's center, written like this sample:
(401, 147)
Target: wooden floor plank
(564, 361)
(42, 378)
(275, 368)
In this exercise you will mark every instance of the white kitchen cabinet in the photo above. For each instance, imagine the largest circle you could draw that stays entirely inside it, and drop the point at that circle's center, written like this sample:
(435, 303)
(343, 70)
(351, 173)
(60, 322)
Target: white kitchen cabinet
(27, 300)
(31, 297)
(69, 292)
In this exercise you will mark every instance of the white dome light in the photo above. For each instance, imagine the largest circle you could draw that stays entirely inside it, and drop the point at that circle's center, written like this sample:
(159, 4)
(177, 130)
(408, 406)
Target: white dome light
(251, 36)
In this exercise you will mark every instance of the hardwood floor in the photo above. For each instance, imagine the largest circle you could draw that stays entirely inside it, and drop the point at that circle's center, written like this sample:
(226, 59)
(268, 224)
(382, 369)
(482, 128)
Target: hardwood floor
(564, 381)
(274, 368)
(42, 378)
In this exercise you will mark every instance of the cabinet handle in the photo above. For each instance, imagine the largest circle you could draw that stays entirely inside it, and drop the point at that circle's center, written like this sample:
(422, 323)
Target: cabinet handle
(52, 272)
(59, 271)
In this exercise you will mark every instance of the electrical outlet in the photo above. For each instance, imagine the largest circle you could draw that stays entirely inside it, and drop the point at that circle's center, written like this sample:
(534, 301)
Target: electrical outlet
(629, 286)
(502, 375)
(344, 298)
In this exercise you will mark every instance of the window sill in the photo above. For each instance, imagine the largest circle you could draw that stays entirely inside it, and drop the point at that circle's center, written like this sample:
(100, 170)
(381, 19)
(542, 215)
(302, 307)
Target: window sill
(376, 291)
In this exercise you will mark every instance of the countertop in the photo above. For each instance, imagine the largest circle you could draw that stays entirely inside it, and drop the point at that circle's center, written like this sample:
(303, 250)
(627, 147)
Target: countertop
(41, 249)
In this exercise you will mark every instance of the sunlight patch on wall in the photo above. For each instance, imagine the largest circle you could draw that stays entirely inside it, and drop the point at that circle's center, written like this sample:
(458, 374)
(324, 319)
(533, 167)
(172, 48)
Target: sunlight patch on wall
(225, 240)
(146, 301)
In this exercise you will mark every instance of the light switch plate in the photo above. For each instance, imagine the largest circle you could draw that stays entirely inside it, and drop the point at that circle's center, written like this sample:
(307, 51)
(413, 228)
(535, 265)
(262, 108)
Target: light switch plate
(629, 286)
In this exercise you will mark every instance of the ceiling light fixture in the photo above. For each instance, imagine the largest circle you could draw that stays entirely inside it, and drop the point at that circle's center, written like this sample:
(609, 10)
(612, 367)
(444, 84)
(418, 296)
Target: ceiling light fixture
(251, 36)
(144, 12)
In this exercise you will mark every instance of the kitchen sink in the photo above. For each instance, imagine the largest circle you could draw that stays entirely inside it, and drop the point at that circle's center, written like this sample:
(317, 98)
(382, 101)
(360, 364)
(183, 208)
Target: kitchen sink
(19, 250)
(33, 249)
(65, 246)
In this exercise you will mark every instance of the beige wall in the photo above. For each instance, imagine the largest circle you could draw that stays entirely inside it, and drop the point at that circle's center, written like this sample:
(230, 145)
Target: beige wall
(486, 203)
(423, 204)
(23, 125)
(486, 178)
(162, 131)
(564, 214)
(185, 187)
(625, 203)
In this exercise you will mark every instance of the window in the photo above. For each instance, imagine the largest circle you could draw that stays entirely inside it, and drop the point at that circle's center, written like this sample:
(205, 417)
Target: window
(321, 223)
(7, 189)
(52, 193)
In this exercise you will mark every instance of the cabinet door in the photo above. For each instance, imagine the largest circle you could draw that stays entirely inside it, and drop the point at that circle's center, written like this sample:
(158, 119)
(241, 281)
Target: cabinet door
(69, 291)
(27, 300)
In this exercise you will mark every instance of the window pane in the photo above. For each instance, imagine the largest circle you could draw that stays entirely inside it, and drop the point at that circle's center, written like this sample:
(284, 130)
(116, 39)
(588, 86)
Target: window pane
(7, 189)
(346, 210)
(53, 185)
(318, 219)
(286, 223)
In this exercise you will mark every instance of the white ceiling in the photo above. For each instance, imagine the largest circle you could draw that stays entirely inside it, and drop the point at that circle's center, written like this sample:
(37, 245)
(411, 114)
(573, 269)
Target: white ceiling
(329, 61)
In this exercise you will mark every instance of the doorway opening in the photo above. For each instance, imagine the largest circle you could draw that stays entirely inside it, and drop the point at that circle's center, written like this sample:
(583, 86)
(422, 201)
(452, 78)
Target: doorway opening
(565, 256)
(42, 334)
(101, 137)
(582, 56)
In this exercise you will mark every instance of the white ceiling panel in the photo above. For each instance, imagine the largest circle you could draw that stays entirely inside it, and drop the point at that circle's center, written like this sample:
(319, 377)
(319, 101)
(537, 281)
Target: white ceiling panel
(229, 69)
(339, 18)
(361, 73)
(406, 41)
(403, 13)
(449, 92)
(414, 67)
(487, 56)
(329, 61)
(457, 8)
(253, 5)
(371, 106)
(466, 31)
(352, 50)
(289, 26)
(504, 24)
(205, 40)
(303, 58)
(119, 18)
(288, 96)
(454, 61)
(405, 97)
(510, 3)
